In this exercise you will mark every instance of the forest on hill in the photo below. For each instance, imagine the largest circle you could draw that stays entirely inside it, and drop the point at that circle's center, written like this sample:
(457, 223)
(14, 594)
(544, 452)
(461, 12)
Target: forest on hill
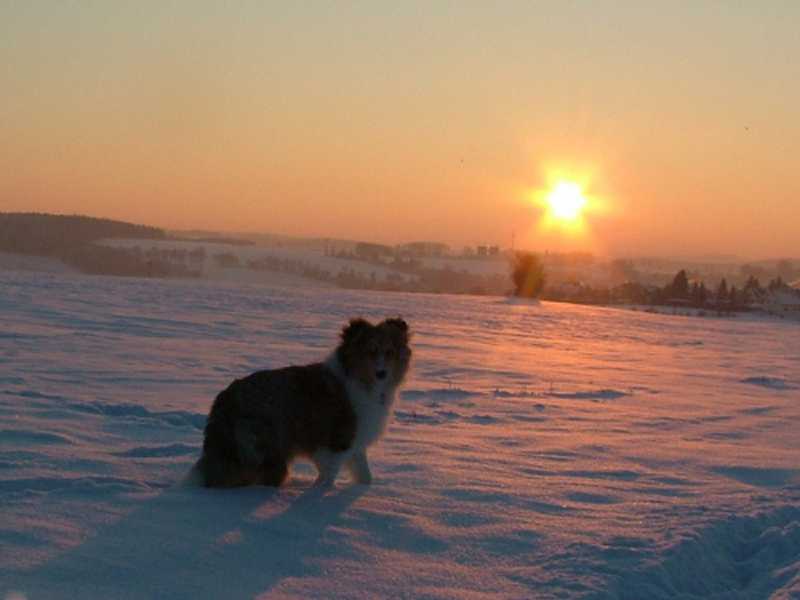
(72, 239)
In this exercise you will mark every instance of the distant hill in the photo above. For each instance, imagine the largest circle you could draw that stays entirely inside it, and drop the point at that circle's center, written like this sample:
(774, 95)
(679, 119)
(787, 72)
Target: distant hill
(45, 235)
(72, 240)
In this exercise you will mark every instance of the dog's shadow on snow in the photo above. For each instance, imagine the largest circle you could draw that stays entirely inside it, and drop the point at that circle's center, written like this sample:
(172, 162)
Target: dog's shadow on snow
(200, 543)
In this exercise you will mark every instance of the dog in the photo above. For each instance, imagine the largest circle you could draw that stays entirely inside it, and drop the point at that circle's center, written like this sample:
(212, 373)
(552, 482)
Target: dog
(328, 412)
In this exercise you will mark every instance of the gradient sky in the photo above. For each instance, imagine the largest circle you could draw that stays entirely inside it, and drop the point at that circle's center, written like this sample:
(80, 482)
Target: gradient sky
(404, 121)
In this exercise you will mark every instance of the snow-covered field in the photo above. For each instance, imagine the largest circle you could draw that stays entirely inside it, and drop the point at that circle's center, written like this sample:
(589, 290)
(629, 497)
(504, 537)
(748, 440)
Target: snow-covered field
(538, 450)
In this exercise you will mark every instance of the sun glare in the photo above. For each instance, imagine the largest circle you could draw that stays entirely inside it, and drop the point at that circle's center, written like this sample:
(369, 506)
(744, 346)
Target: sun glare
(566, 201)
(568, 205)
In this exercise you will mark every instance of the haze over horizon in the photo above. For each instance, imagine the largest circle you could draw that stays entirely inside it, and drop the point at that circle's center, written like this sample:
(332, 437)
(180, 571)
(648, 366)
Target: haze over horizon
(413, 121)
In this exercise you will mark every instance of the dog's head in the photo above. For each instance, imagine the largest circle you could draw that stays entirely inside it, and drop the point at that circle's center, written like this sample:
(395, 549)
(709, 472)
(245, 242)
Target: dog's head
(375, 354)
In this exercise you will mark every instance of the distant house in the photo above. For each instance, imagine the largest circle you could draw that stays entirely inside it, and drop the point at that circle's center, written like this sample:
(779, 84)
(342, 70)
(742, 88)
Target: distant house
(784, 302)
(484, 251)
(425, 249)
(754, 298)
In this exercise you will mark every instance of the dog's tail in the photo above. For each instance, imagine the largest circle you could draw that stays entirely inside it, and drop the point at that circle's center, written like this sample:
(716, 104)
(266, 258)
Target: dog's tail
(194, 478)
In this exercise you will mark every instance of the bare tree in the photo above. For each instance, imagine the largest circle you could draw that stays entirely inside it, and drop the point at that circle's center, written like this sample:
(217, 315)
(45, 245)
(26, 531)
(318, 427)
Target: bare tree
(528, 275)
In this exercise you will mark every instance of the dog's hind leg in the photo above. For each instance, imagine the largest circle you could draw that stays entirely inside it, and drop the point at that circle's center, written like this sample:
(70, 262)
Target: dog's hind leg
(359, 468)
(274, 472)
(259, 447)
(216, 472)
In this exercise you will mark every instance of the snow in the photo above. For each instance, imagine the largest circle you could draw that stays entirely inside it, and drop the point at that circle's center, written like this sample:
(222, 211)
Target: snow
(22, 262)
(538, 450)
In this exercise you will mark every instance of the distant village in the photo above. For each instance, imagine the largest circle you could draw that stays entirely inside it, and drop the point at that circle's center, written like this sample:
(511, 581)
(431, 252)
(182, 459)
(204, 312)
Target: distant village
(102, 247)
(691, 296)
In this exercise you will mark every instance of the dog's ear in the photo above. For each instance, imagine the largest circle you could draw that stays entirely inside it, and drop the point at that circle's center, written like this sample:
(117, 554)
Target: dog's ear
(355, 329)
(399, 324)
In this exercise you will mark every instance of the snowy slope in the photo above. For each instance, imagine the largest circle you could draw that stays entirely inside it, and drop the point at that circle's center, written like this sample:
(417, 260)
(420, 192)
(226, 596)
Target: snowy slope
(538, 450)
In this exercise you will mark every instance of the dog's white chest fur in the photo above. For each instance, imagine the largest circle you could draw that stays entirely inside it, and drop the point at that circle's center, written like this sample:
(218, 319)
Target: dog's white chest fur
(372, 406)
(372, 409)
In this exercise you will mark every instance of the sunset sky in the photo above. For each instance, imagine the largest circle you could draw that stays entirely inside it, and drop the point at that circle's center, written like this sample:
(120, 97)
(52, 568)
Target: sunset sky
(414, 120)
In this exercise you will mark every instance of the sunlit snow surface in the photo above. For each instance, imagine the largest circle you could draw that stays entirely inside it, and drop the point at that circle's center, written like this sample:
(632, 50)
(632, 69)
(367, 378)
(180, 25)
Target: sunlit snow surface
(537, 451)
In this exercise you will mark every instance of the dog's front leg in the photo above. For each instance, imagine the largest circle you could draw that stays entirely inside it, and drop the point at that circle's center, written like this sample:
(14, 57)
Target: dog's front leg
(328, 464)
(359, 468)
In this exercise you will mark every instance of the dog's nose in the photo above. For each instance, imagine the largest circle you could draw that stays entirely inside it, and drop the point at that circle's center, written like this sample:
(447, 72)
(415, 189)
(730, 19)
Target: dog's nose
(380, 373)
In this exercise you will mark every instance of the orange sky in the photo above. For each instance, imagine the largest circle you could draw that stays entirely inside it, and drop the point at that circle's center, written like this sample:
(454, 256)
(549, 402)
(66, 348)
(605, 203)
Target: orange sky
(396, 122)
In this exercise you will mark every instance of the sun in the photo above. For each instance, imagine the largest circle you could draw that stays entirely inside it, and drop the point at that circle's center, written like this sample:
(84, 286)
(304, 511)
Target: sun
(566, 201)
(569, 207)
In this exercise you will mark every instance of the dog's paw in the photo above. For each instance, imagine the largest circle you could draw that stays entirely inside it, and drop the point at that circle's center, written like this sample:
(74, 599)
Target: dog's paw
(364, 480)
(324, 481)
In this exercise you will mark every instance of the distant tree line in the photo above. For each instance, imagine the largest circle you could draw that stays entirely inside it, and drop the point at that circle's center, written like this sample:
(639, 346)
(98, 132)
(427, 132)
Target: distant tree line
(678, 293)
(405, 274)
(74, 240)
